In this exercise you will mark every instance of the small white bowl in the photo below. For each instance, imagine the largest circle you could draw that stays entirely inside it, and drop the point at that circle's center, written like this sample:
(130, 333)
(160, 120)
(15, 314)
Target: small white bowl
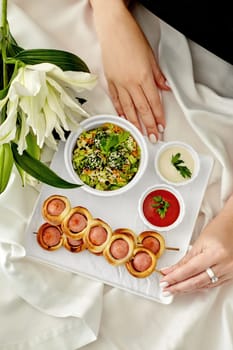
(94, 122)
(151, 218)
(167, 171)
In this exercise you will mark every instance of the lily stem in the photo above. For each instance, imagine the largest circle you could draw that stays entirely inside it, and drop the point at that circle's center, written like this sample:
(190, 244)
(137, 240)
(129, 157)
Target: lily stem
(3, 52)
(4, 41)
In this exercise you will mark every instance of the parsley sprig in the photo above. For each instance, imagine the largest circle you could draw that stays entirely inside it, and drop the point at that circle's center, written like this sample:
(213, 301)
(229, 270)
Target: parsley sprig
(183, 169)
(111, 141)
(162, 206)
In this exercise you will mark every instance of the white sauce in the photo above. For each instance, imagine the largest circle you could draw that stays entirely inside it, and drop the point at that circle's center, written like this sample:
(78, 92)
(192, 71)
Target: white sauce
(168, 170)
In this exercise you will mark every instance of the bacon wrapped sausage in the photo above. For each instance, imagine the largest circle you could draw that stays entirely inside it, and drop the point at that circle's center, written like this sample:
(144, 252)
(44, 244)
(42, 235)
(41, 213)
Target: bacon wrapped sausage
(55, 208)
(142, 263)
(49, 236)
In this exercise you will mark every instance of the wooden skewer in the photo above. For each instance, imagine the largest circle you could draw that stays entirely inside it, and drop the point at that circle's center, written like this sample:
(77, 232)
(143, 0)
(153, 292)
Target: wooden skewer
(168, 248)
(172, 248)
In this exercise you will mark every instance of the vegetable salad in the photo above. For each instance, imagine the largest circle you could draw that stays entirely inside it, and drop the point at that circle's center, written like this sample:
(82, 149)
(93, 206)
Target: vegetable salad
(106, 158)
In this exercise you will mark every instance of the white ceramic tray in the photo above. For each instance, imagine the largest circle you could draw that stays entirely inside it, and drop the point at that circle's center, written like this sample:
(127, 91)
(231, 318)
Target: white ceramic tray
(120, 211)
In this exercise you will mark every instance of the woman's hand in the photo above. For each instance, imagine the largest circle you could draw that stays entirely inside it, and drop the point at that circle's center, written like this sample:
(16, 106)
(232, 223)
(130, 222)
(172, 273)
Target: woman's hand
(133, 75)
(213, 248)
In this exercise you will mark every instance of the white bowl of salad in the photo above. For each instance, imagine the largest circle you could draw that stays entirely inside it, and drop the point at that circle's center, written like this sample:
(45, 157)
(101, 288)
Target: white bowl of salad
(107, 155)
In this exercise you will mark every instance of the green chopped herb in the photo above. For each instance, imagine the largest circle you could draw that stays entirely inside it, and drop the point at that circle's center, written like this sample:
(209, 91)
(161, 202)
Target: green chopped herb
(183, 169)
(161, 205)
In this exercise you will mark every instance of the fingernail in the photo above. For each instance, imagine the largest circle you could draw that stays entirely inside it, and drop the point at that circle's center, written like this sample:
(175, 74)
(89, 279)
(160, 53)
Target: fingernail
(152, 138)
(160, 128)
(163, 270)
(167, 84)
(166, 294)
(163, 284)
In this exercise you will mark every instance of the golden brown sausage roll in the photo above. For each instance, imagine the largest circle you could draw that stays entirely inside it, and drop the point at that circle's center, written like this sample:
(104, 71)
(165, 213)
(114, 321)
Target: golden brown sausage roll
(49, 236)
(142, 263)
(98, 235)
(55, 208)
(77, 222)
(74, 245)
(126, 231)
(120, 248)
(153, 241)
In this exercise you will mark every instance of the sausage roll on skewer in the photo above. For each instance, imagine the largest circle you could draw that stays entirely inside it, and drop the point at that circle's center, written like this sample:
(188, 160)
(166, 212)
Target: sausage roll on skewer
(49, 236)
(121, 246)
(76, 223)
(142, 263)
(152, 241)
(98, 236)
(55, 208)
(74, 245)
(126, 231)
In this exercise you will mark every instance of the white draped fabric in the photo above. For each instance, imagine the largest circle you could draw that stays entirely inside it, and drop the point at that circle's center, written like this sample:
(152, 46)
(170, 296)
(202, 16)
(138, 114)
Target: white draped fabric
(42, 308)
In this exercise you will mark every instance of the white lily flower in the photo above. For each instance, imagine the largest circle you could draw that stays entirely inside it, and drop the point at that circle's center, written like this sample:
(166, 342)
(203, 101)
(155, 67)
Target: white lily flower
(8, 127)
(38, 100)
(23, 130)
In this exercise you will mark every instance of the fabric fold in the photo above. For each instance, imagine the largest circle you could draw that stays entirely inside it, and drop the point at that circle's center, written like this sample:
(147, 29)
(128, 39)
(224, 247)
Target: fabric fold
(57, 294)
(209, 114)
(44, 308)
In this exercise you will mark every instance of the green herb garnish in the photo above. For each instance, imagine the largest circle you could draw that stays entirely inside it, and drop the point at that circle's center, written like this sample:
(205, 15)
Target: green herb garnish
(112, 141)
(161, 205)
(183, 169)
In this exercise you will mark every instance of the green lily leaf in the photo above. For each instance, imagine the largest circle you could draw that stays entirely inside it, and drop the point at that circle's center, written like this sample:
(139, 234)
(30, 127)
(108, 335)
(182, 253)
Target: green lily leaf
(34, 150)
(6, 164)
(4, 92)
(32, 147)
(13, 50)
(11, 71)
(39, 170)
(12, 47)
(13, 42)
(63, 59)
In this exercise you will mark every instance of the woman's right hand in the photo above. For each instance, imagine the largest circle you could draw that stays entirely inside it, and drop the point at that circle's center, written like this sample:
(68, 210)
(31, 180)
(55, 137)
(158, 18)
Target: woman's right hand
(133, 75)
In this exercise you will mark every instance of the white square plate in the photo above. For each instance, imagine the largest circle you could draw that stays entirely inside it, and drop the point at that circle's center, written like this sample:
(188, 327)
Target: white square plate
(120, 212)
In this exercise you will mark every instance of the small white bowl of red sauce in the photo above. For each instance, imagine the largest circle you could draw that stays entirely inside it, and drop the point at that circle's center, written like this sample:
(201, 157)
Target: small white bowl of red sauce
(161, 207)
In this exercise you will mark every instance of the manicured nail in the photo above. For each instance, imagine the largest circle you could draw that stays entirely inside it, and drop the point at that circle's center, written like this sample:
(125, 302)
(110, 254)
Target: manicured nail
(160, 128)
(163, 284)
(166, 294)
(152, 138)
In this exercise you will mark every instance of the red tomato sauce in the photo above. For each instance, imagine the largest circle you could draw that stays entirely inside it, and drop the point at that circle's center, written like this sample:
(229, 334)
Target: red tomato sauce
(151, 214)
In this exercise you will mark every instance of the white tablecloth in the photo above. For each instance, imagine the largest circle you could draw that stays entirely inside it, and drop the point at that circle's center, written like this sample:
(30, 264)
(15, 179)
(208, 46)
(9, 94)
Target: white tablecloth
(46, 309)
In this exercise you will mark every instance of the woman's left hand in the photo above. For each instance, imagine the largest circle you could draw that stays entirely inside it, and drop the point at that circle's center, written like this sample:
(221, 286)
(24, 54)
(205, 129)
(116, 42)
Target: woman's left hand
(213, 249)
